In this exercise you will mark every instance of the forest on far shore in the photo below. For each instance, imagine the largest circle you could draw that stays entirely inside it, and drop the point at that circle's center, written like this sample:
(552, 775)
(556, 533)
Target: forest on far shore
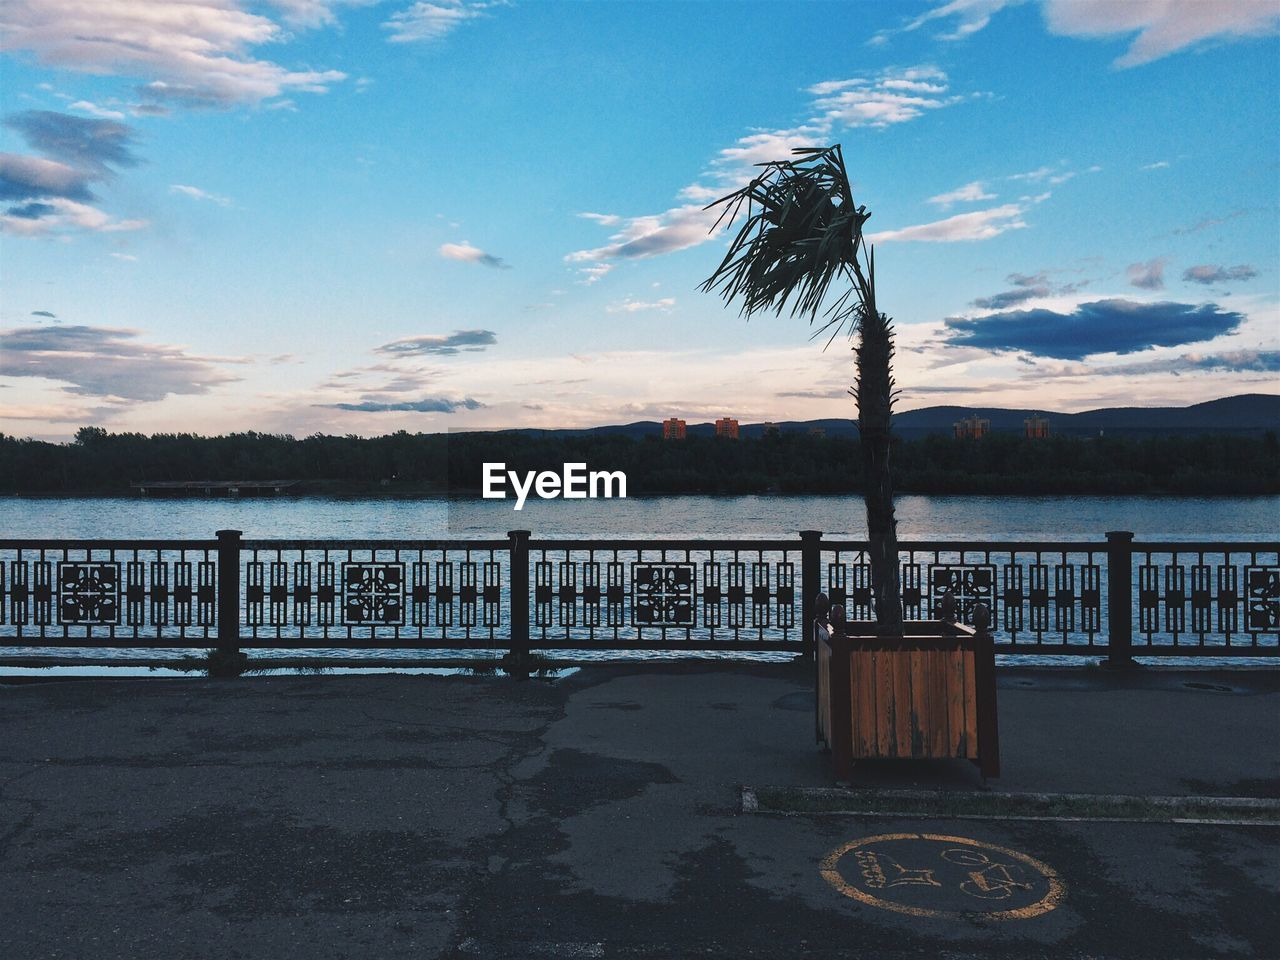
(99, 462)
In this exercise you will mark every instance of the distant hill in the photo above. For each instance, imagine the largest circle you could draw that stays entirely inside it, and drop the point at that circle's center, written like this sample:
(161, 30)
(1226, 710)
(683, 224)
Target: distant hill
(1248, 413)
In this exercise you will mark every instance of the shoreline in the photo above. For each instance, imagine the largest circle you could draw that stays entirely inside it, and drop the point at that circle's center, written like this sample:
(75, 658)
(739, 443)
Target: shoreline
(371, 496)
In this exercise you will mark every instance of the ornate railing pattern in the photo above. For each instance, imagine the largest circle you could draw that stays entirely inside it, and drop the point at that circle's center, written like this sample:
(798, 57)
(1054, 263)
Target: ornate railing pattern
(389, 593)
(108, 593)
(1043, 597)
(667, 595)
(1115, 597)
(1192, 596)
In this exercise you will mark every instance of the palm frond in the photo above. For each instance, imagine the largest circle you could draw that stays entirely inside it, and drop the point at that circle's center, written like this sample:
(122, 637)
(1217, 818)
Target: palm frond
(801, 231)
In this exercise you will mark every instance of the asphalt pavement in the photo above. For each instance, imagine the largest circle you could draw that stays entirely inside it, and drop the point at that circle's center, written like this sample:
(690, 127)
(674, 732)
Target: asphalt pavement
(599, 816)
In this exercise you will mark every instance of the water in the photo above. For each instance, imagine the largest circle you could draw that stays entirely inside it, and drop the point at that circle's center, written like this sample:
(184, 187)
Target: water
(919, 518)
(839, 517)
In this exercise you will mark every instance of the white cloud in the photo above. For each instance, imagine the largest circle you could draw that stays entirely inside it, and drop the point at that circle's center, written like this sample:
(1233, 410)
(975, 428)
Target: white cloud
(761, 147)
(969, 193)
(64, 214)
(978, 225)
(604, 219)
(84, 106)
(465, 252)
(1047, 174)
(971, 16)
(894, 96)
(1158, 165)
(1163, 27)
(594, 273)
(674, 229)
(314, 13)
(635, 306)
(197, 194)
(187, 53)
(432, 20)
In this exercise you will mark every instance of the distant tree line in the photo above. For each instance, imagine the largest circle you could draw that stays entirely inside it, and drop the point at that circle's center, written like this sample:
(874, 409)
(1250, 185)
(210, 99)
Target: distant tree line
(107, 463)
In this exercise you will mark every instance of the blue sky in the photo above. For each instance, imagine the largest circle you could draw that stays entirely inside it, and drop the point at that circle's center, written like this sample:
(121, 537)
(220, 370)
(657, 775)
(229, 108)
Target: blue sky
(354, 216)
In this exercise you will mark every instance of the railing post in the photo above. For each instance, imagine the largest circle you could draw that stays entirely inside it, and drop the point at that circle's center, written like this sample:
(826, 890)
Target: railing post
(810, 584)
(228, 656)
(519, 655)
(1119, 598)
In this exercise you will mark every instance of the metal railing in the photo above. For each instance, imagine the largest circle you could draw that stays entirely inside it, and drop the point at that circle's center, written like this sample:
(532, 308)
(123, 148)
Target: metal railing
(1115, 598)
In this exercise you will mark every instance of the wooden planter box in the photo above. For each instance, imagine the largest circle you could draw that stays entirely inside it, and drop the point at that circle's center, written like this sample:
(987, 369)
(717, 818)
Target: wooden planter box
(930, 694)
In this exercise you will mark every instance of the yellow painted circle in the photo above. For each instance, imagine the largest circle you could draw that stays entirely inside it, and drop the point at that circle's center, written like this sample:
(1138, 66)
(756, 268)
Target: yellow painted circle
(904, 872)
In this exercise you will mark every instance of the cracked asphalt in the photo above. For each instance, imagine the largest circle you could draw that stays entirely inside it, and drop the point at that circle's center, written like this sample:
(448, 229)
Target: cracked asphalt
(598, 816)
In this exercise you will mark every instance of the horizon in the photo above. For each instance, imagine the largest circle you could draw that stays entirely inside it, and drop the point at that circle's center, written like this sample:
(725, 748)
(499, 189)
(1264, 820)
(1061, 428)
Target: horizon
(1044, 411)
(360, 217)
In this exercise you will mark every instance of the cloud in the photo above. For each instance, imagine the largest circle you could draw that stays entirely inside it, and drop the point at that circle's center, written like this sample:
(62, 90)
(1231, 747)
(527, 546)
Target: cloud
(314, 13)
(44, 313)
(440, 344)
(838, 393)
(1010, 298)
(28, 178)
(1162, 26)
(1206, 222)
(94, 146)
(978, 225)
(85, 106)
(635, 306)
(1158, 165)
(57, 214)
(197, 194)
(465, 252)
(433, 20)
(425, 405)
(107, 362)
(969, 193)
(1147, 276)
(893, 97)
(1207, 273)
(188, 54)
(83, 151)
(1026, 287)
(971, 16)
(676, 229)
(1234, 361)
(604, 219)
(1050, 175)
(1104, 326)
(594, 273)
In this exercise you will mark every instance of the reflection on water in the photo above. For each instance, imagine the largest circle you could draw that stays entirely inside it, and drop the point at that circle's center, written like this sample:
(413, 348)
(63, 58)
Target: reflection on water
(919, 517)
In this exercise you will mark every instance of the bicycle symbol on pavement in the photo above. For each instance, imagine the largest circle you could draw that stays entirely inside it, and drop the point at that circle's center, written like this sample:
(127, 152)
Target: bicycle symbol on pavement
(931, 875)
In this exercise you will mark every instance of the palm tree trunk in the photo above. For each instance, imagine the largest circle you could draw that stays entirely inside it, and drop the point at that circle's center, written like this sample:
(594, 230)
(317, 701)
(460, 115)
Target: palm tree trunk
(874, 393)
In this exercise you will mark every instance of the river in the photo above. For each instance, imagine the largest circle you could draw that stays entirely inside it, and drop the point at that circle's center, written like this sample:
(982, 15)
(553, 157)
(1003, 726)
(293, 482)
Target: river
(919, 517)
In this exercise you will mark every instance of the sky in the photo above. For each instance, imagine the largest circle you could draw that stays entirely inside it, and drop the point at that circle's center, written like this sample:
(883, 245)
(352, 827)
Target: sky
(364, 216)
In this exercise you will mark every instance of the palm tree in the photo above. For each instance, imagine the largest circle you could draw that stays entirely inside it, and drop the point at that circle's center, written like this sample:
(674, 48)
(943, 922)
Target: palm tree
(803, 231)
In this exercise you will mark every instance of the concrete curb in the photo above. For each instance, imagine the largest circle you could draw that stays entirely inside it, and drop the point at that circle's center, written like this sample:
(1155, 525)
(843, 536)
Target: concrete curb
(882, 806)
